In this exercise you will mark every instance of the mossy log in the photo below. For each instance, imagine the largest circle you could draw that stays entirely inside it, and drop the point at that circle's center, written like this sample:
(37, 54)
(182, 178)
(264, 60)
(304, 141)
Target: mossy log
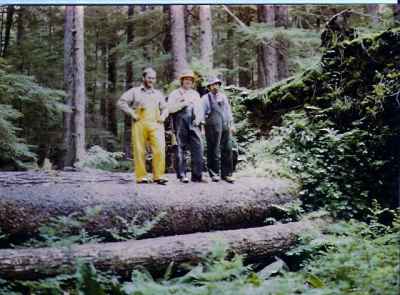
(155, 254)
(31, 199)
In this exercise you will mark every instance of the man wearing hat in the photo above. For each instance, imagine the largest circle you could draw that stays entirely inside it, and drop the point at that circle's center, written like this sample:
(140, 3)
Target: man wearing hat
(185, 106)
(148, 109)
(218, 128)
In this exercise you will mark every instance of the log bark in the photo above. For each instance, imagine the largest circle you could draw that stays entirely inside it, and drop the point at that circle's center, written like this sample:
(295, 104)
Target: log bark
(153, 254)
(29, 199)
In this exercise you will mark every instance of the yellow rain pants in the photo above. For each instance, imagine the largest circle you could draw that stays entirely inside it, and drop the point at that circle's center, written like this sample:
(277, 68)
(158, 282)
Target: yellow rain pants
(147, 130)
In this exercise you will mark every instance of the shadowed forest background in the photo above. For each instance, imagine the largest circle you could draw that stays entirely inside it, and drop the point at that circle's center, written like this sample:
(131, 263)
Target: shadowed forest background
(249, 46)
(315, 95)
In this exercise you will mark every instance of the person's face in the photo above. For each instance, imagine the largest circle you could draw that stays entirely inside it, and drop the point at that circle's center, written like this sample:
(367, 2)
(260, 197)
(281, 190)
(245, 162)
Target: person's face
(214, 88)
(149, 79)
(187, 83)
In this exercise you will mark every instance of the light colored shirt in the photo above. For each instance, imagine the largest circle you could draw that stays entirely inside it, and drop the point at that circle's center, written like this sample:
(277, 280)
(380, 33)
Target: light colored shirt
(222, 100)
(144, 103)
(180, 98)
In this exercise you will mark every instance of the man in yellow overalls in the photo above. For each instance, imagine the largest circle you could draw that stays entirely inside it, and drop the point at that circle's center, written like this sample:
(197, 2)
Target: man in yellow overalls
(148, 109)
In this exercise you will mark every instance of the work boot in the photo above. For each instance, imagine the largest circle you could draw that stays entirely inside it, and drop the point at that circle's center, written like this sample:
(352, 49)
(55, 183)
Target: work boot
(162, 181)
(201, 180)
(215, 178)
(184, 179)
(144, 180)
(229, 179)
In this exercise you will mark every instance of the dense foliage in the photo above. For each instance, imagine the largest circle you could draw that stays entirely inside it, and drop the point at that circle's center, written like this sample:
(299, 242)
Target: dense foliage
(344, 128)
(30, 118)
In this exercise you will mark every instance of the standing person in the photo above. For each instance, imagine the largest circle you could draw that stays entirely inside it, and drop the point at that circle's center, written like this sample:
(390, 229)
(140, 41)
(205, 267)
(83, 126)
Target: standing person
(185, 106)
(218, 128)
(148, 110)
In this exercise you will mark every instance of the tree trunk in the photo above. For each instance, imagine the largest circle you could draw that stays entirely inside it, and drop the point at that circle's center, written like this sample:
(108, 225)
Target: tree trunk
(178, 39)
(112, 87)
(206, 48)
(20, 36)
(74, 71)
(267, 55)
(103, 101)
(282, 20)
(9, 23)
(2, 12)
(167, 44)
(154, 254)
(231, 55)
(188, 30)
(396, 14)
(80, 90)
(245, 72)
(28, 200)
(373, 11)
(129, 82)
(69, 156)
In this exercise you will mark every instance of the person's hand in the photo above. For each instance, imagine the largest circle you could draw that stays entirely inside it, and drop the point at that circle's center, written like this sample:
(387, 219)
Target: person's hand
(134, 116)
(184, 102)
(160, 121)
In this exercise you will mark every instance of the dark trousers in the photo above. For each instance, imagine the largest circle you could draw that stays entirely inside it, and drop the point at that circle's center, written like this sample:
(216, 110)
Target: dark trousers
(219, 148)
(188, 137)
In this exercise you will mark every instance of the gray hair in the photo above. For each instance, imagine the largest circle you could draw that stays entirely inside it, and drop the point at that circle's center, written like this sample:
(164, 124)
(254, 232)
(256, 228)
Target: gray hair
(147, 71)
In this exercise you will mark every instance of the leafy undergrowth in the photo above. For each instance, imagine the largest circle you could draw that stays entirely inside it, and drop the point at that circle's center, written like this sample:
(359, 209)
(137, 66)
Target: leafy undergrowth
(336, 128)
(64, 231)
(347, 258)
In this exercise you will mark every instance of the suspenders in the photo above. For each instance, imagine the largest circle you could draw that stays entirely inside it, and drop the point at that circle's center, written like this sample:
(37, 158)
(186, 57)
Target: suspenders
(212, 107)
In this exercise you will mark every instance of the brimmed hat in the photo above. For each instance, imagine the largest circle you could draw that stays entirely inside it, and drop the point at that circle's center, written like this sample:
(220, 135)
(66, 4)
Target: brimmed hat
(213, 80)
(187, 74)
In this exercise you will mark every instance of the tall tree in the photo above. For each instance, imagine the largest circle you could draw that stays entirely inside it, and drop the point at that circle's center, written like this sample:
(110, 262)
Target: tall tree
(267, 59)
(103, 100)
(178, 39)
(7, 34)
(167, 44)
(129, 82)
(373, 10)
(244, 62)
(74, 78)
(231, 54)
(396, 13)
(112, 85)
(206, 48)
(282, 20)
(188, 30)
(20, 36)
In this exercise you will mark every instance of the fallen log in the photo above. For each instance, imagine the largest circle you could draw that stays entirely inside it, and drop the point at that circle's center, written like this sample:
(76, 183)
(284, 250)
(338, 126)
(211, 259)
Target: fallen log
(155, 254)
(187, 208)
